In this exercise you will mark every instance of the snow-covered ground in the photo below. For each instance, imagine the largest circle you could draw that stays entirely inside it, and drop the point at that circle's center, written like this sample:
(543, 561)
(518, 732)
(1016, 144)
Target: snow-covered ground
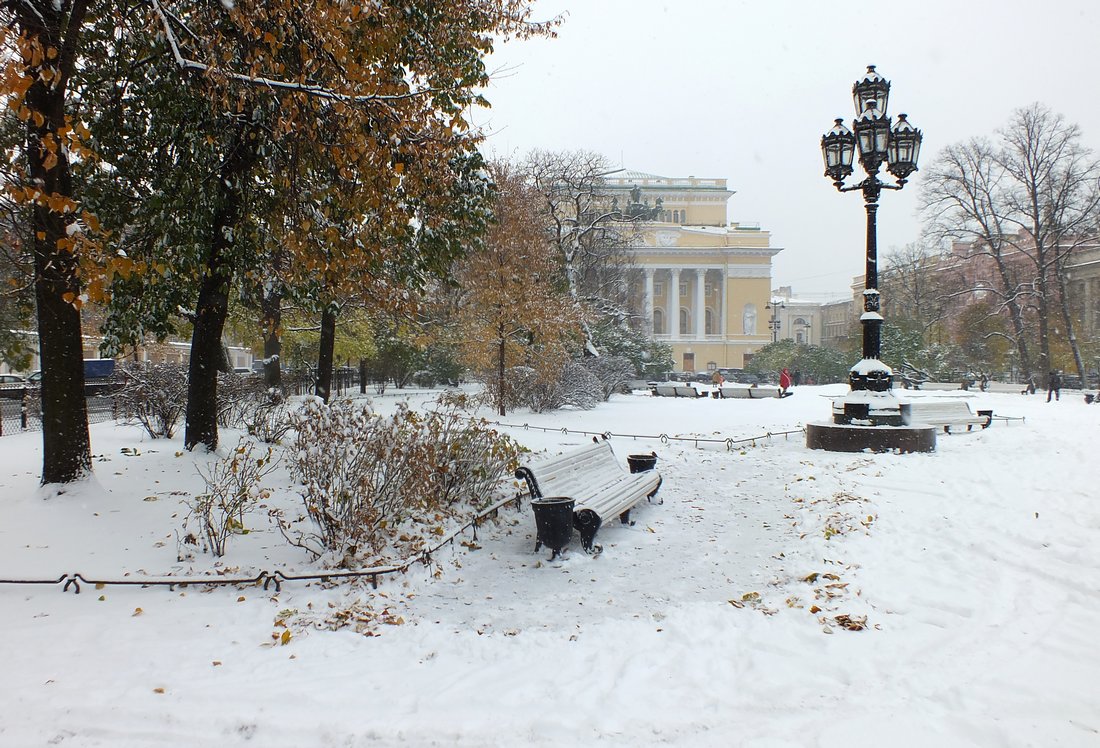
(722, 617)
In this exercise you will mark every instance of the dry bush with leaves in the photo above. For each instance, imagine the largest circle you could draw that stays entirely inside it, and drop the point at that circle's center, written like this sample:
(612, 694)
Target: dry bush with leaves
(232, 490)
(368, 481)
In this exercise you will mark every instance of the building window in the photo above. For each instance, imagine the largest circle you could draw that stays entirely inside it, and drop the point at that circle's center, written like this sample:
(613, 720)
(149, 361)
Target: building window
(710, 322)
(658, 322)
(683, 288)
(685, 320)
(658, 288)
(675, 216)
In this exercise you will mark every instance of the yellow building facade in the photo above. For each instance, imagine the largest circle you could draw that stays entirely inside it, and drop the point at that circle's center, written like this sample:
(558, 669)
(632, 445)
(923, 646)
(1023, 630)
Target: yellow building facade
(705, 283)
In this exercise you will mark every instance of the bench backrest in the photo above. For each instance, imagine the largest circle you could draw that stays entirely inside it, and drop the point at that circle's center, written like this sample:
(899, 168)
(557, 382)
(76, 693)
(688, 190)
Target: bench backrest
(583, 468)
(941, 408)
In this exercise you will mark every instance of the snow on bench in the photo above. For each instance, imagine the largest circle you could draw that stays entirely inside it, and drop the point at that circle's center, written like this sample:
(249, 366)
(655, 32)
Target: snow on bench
(751, 393)
(689, 390)
(946, 413)
(595, 480)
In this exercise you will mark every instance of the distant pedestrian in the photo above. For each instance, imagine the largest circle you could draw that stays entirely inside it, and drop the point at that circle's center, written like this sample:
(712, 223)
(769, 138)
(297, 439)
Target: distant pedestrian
(796, 378)
(784, 381)
(1054, 386)
(717, 379)
(1030, 389)
(984, 383)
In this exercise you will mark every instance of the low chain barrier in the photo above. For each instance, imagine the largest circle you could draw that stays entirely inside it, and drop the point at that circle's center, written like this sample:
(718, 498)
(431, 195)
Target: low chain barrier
(730, 442)
(74, 580)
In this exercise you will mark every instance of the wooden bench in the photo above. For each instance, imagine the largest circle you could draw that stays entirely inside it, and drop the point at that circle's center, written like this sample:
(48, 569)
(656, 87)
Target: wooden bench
(600, 487)
(665, 390)
(946, 413)
(751, 393)
(687, 390)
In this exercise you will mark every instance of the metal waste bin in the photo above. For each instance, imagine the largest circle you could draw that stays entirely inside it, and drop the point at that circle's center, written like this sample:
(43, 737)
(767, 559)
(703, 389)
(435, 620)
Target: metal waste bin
(553, 522)
(641, 463)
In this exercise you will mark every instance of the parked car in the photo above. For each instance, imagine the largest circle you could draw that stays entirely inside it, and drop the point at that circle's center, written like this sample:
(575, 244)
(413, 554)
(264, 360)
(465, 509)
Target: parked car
(12, 386)
(35, 377)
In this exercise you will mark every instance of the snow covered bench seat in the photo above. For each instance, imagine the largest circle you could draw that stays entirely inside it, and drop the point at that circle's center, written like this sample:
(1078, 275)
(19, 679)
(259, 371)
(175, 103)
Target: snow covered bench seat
(750, 393)
(689, 390)
(665, 390)
(594, 479)
(946, 413)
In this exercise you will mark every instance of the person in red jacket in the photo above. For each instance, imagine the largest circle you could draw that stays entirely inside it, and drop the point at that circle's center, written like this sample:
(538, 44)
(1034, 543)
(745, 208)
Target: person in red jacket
(784, 381)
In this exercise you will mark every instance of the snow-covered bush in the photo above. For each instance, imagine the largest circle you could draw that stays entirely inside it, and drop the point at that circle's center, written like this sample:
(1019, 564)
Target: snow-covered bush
(613, 372)
(545, 390)
(268, 418)
(366, 480)
(232, 491)
(154, 395)
(238, 398)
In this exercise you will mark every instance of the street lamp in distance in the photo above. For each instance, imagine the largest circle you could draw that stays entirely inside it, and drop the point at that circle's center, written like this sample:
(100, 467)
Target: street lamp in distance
(774, 323)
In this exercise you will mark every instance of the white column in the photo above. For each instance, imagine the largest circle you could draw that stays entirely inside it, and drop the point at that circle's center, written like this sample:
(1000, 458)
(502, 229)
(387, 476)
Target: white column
(674, 303)
(649, 273)
(723, 312)
(700, 303)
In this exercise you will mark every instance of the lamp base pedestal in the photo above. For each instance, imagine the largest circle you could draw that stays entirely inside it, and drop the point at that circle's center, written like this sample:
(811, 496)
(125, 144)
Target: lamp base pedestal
(846, 437)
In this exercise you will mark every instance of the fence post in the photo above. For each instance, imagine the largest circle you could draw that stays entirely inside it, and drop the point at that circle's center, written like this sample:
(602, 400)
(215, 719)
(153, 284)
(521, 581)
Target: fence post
(23, 410)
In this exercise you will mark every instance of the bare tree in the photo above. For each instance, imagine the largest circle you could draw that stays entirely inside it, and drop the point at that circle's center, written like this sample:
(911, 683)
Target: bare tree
(1024, 202)
(922, 285)
(590, 233)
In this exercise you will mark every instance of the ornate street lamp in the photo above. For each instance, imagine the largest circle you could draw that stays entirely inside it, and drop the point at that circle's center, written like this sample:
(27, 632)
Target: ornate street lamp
(877, 143)
(774, 323)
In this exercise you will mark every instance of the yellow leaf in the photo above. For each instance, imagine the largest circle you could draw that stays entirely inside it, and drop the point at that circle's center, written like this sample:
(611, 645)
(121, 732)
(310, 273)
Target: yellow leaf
(285, 637)
(138, 611)
(68, 297)
(158, 690)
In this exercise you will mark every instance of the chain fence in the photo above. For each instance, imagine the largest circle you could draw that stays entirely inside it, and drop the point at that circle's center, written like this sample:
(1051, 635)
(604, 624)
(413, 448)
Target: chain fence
(73, 581)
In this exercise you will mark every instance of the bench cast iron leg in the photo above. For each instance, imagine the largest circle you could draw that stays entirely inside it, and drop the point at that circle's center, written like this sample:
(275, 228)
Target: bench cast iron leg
(587, 523)
(624, 518)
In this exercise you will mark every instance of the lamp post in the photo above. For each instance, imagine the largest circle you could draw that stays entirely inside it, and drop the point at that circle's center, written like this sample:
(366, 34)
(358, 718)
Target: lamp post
(774, 324)
(878, 143)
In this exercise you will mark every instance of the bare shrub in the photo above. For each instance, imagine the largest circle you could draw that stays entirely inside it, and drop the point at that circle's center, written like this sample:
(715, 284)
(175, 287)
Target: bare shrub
(364, 476)
(153, 395)
(613, 372)
(543, 390)
(238, 397)
(232, 491)
(269, 417)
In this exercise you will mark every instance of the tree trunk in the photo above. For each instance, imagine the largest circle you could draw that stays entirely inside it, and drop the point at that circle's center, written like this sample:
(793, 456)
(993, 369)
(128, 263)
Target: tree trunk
(325, 355)
(212, 307)
(1015, 314)
(271, 308)
(500, 374)
(1071, 329)
(66, 449)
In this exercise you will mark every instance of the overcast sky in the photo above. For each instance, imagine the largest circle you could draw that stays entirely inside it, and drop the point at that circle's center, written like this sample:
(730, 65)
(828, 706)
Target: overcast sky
(744, 91)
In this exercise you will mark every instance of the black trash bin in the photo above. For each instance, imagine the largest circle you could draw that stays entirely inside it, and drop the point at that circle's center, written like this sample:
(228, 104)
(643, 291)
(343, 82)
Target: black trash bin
(553, 522)
(641, 463)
